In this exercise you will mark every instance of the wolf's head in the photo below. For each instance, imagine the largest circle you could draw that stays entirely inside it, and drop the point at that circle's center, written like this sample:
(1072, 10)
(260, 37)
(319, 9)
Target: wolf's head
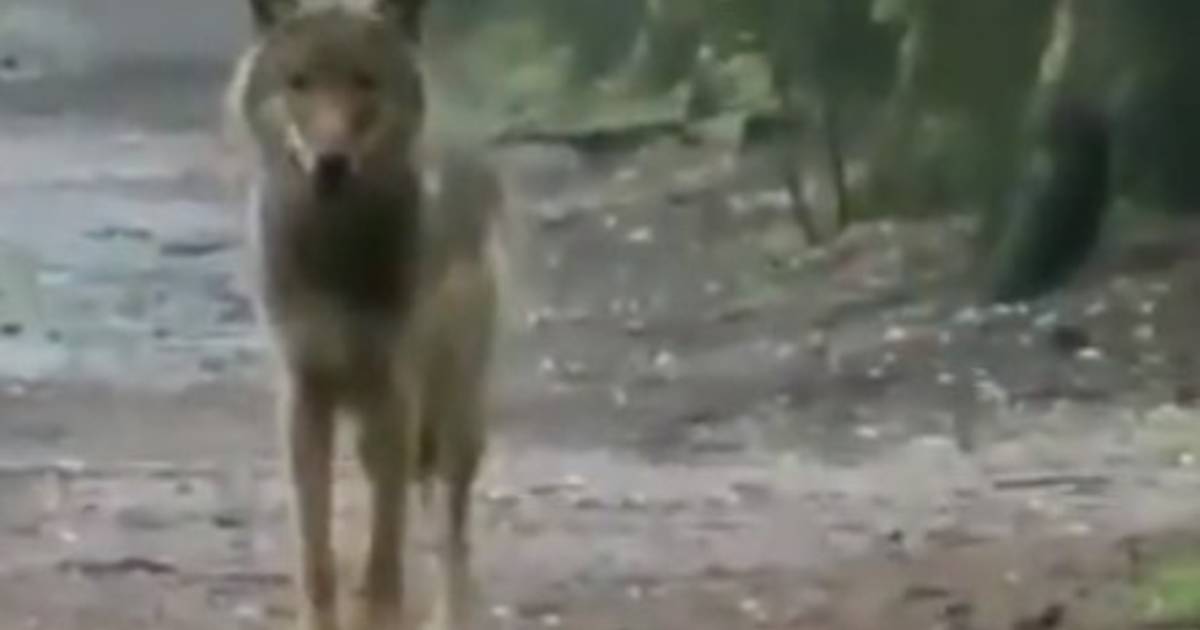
(333, 94)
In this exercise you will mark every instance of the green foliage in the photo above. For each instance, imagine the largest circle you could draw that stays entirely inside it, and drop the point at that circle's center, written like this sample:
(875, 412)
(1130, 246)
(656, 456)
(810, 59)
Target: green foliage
(972, 61)
(1170, 591)
(941, 89)
(969, 55)
(673, 35)
(1159, 99)
(599, 33)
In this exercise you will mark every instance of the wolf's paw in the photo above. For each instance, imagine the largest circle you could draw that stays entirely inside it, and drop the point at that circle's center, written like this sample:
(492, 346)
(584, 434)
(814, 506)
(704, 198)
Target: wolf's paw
(378, 617)
(448, 615)
(319, 620)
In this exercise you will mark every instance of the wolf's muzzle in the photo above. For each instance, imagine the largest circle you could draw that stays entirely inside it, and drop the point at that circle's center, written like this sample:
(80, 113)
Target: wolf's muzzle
(331, 172)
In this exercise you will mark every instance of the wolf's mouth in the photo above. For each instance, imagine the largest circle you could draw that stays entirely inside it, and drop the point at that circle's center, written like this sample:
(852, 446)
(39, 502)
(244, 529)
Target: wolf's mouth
(331, 173)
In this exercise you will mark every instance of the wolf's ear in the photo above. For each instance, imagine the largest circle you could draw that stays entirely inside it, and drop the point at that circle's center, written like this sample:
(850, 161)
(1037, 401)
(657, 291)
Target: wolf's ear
(267, 13)
(408, 14)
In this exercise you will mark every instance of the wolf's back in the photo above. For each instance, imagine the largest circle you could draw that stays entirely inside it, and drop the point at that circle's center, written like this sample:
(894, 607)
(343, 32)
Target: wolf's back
(471, 219)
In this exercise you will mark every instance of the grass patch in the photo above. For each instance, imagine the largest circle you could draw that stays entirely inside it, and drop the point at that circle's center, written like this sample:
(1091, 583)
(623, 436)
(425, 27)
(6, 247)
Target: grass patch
(1170, 590)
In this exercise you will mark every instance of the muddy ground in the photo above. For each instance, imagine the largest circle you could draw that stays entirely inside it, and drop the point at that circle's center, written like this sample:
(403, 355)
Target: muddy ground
(699, 423)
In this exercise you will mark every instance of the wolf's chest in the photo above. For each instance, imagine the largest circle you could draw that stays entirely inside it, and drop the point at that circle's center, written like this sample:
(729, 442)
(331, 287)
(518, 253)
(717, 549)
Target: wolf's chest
(362, 257)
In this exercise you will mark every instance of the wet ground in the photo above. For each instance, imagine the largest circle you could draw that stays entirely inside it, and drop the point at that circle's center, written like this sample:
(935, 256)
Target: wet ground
(698, 422)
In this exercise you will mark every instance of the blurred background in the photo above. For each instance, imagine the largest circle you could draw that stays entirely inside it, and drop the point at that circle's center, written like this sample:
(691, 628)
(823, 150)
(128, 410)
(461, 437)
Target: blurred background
(834, 314)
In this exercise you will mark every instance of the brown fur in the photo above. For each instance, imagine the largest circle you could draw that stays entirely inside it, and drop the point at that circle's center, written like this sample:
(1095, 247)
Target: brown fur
(380, 296)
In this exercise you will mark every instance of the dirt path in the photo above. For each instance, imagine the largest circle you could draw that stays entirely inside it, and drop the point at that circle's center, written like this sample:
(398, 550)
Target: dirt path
(700, 425)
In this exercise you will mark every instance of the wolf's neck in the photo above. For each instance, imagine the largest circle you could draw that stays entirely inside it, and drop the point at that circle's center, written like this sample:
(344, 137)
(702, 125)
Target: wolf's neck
(359, 247)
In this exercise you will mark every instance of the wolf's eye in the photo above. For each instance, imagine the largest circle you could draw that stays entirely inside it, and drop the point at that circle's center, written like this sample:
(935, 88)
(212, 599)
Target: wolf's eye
(298, 82)
(365, 82)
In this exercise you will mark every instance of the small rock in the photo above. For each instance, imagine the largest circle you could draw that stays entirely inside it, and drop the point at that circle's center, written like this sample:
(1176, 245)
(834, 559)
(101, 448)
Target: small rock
(502, 498)
(199, 246)
(111, 232)
(585, 503)
(738, 204)
(121, 566)
(920, 592)
(1046, 321)
(635, 501)
(753, 609)
(722, 500)
(733, 312)
(536, 318)
(958, 615)
(1004, 310)
(1079, 529)
(665, 361)
(249, 613)
(574, 369)
(785, 351)
(574, 482)
(620, 397)
(238, 309)
(554, 216)
(634, 326)
(1049, 618)
(752, 492)
(969, 316)
(640, 235)
(230, 519)
(626, 175)
(867, 432)
(143, 518)
(212, 365)
(1069, 339)
(11, 329)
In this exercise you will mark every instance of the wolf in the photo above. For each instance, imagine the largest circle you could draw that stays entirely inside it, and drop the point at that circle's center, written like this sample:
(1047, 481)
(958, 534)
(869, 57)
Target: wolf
(375, 276)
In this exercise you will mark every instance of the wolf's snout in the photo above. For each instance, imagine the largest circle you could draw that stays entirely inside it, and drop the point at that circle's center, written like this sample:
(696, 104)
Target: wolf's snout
(331, 172)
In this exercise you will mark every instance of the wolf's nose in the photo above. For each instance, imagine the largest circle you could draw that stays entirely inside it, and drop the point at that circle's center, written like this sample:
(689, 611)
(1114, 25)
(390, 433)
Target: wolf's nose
(332, 170)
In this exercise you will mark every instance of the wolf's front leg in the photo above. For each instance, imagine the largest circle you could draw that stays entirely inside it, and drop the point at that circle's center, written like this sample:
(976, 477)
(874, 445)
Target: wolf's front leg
(307, 410)
(383, 449)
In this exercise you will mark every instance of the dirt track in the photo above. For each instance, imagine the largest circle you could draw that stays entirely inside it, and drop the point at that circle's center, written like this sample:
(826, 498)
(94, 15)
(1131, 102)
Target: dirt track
(700, 426)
